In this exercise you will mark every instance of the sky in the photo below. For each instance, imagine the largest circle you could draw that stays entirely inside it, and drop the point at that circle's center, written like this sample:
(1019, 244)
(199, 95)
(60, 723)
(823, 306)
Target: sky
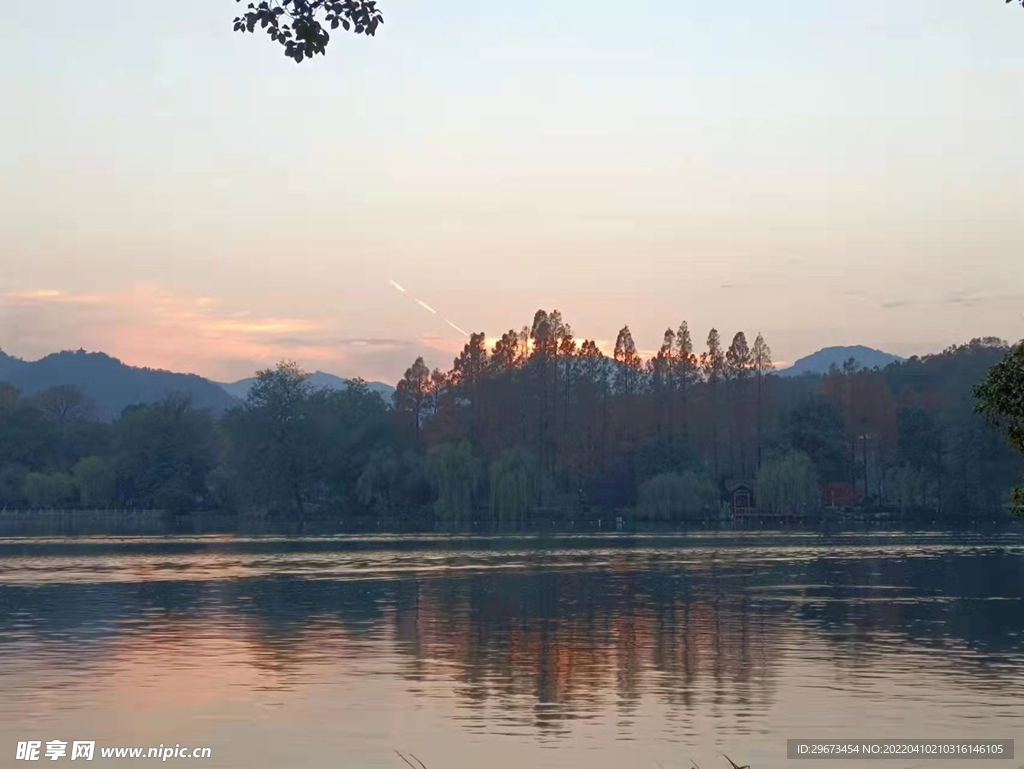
(185, 197)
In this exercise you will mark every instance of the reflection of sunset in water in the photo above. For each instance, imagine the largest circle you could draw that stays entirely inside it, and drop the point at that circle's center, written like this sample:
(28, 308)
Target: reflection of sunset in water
(611, 652)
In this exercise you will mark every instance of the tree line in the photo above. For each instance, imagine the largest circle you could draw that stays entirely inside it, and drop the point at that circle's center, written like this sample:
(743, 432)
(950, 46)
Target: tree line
(538, 424)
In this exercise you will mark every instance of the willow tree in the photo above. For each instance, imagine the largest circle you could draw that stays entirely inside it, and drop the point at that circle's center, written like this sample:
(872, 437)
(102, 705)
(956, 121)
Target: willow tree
(515, 486)
(455, 475)
(789, 485)
(670, 496)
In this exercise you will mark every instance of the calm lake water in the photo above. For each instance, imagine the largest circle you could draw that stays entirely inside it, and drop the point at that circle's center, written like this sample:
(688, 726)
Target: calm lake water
(576, 651)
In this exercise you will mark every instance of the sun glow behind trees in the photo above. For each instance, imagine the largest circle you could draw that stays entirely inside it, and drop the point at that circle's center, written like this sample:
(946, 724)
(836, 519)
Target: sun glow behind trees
(536, 424)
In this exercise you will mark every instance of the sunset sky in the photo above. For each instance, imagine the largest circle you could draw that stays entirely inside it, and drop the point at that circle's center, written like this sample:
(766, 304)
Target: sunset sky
(826, 172)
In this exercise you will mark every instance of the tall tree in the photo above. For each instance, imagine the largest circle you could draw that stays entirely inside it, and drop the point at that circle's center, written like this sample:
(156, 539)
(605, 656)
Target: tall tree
(663, 371)
(275, 437)
(627, 373)
(543, 379)
(712, 363)
(593, 389)
(567, 352)
(467, 372)
(438, 390)
(737, 358)
(412, 394)
(737, 373)
(688, 372)
(761, 363)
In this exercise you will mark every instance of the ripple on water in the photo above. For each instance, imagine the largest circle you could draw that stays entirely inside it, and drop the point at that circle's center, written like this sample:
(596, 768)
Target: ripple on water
(528, 650)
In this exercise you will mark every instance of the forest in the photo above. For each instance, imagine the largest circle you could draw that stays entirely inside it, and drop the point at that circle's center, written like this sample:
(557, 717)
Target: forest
(538, 426)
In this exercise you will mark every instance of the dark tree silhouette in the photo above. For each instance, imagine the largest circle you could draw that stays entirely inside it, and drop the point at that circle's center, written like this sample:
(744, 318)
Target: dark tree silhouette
(1001, 401)
(1001, 396)
(300, 26)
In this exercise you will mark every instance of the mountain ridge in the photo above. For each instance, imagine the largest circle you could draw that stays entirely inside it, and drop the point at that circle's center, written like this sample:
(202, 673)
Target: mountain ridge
(110, 383)
(319, 379)
(822, 360)
(114, 385)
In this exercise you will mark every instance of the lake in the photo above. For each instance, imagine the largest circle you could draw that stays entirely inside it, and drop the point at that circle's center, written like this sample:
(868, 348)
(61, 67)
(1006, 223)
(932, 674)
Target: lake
(590, 651)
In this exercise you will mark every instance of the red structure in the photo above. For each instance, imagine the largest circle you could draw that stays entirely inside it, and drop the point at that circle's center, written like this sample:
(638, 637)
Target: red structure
(841, 495)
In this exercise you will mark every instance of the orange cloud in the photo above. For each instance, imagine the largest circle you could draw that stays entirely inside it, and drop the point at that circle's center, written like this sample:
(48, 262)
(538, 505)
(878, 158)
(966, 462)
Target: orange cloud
(50, 295)
(268, 326)
(148, 324)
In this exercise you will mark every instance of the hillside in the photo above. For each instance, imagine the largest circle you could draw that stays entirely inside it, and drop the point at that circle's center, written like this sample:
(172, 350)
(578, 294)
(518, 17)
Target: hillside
(109, 382)
(822, 360)
(319, 379)
(9, 364)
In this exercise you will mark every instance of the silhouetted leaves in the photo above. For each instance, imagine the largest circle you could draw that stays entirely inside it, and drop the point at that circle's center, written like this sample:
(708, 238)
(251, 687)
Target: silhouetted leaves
(299, 26)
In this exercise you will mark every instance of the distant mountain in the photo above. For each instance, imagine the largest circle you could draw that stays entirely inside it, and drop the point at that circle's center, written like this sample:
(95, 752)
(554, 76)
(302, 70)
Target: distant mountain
(9, 364)
(319, 379)
(822, 360)
(109, 382)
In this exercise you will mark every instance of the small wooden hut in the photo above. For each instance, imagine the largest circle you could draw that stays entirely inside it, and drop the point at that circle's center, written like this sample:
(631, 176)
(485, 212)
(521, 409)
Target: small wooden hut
(742, 497)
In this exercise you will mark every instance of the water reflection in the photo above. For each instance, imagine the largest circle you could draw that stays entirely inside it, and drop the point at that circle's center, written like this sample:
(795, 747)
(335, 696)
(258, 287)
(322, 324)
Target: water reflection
(545, 651)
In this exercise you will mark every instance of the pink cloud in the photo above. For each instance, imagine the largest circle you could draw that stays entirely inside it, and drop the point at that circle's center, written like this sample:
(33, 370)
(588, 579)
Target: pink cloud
(148, 324)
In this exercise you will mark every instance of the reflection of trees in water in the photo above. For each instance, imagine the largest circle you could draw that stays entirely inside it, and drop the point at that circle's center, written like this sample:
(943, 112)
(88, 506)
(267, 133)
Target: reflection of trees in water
(575, 642)
(968, 598)
(542, 646)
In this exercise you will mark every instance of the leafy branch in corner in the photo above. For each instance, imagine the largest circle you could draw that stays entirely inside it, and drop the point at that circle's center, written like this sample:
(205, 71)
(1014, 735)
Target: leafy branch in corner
(300, 26)
(1001, 401)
